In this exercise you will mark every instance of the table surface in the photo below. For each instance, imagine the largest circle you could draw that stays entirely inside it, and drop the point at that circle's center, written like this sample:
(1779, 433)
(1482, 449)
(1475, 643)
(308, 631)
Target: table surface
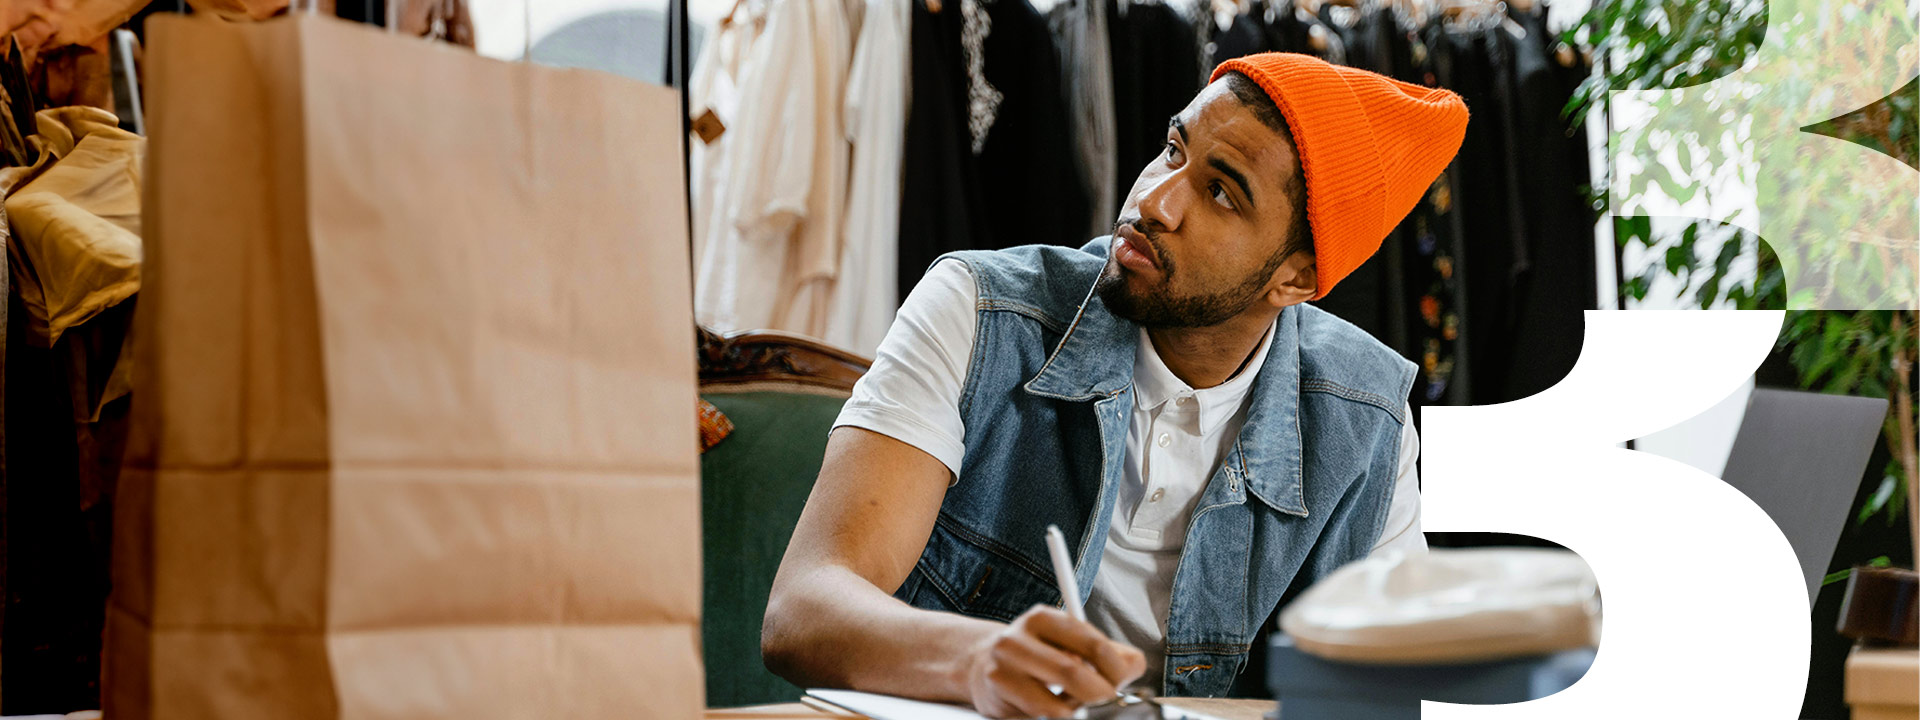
(1223, 709)
(1883, 676)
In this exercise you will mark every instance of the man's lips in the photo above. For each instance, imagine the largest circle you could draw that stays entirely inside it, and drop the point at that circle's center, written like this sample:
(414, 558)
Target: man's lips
(1133, 250)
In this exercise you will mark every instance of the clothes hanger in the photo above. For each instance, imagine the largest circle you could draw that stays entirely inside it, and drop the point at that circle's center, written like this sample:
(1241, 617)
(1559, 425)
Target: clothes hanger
(1469, 14)
(1405, 12)
(1346, 16)
(1414, 12)
(1518, 31)
(1483, 15)
(1223, 12)
(1308, 12)
(727, 19)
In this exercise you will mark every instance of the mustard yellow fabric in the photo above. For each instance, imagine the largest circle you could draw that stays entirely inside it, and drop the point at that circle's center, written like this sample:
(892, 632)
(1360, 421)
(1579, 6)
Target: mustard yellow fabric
(74, 217)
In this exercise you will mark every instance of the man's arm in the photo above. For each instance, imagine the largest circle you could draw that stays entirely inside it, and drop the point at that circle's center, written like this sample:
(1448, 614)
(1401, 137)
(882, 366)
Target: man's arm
(855, 544)
(832, 619)
(1402, 531)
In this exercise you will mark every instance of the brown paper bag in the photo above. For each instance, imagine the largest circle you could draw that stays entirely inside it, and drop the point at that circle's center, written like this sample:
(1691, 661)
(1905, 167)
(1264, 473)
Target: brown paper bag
(413, 427)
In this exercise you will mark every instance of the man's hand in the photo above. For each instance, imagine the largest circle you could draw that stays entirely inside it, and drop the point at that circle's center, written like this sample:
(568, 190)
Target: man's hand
(832, 620)
(1008, 672)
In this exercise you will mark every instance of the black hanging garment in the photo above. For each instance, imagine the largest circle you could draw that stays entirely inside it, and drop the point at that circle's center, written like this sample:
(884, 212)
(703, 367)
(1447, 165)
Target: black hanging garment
(939, 185)
(1247, 35)
(1028, 180)
(1486, 196)
(1155, 74)
(1559, 280)
(989, 157)
(1291, 29)
(1360, 33)
(1431, 253)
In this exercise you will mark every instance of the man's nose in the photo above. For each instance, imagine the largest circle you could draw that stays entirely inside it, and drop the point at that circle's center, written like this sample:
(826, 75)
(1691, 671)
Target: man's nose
(1163, 199)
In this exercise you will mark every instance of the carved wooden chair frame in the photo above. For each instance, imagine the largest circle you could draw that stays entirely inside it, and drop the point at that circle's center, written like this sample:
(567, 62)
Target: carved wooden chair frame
(769, 359)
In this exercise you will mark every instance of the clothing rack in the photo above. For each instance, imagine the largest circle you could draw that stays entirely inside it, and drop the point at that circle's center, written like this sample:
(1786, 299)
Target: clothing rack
(677, 69)
(371, 12)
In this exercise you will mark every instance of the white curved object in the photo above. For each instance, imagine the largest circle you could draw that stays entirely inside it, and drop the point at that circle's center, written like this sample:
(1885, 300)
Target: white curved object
(1448, 606)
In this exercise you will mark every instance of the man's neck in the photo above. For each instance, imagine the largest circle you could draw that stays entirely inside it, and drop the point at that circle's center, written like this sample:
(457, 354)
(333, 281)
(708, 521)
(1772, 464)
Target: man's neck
(1208, 356)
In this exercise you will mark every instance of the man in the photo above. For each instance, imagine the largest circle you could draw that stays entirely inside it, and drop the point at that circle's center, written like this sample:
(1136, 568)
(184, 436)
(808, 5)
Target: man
(1208, 443)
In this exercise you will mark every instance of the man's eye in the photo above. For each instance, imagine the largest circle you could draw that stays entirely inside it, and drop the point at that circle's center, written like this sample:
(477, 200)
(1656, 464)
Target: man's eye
(1220, 195)
(1173, 152)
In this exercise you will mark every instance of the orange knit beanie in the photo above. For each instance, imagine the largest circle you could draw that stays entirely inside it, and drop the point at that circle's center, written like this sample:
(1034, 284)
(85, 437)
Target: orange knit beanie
(1369, 146)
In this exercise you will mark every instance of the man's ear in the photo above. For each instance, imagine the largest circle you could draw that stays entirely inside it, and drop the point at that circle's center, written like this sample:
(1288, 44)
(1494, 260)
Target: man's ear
(1295, 281)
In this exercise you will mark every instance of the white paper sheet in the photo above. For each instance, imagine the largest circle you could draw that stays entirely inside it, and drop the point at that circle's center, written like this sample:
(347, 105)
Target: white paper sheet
(887, 707)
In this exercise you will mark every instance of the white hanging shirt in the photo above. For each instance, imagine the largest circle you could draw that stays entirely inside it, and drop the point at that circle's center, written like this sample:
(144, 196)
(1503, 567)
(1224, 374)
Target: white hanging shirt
(1175, 441)
(866, 290)
(770, 252)
(714, 88)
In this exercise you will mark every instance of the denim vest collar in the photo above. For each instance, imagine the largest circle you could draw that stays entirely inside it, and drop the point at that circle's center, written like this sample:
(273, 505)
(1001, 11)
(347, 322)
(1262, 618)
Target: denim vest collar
(1094, 359)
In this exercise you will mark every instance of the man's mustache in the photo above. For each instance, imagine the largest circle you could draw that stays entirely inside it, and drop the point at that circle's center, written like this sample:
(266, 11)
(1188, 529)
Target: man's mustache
(1151, 232)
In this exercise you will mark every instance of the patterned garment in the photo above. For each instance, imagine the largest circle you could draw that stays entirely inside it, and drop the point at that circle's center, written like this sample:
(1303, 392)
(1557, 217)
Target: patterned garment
(982, 99)
(1431, 266)
(1439, 319)
(714, 426)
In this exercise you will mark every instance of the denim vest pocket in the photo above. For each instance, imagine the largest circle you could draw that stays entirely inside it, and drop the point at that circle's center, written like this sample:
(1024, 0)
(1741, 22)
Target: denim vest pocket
(956, 574)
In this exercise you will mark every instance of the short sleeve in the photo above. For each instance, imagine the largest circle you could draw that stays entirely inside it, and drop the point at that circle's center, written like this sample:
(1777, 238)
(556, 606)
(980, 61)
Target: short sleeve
(912, 392)
(1402, 531)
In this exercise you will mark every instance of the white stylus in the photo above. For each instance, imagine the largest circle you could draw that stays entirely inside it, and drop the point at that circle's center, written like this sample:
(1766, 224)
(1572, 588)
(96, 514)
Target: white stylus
(1069, 587)
(1063, 573)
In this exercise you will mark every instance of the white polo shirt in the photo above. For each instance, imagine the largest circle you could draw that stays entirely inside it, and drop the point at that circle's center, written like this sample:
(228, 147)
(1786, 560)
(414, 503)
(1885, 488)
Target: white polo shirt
(1175, 442)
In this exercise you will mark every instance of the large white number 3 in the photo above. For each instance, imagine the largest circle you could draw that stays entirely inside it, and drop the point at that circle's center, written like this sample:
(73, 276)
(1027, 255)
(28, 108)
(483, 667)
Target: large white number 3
(1705, 606)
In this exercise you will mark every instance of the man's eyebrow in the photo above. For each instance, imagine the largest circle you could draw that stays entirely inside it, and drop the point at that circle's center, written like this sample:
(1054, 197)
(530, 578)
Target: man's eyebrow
(1233, 172)
(1216, 163)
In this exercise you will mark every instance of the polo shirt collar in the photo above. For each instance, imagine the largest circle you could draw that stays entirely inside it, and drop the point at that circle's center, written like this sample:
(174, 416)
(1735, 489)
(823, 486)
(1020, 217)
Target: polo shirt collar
(1154, 384)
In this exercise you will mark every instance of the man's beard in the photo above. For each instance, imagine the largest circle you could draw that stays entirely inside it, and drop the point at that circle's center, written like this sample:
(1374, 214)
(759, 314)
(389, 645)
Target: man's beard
(1157, 307)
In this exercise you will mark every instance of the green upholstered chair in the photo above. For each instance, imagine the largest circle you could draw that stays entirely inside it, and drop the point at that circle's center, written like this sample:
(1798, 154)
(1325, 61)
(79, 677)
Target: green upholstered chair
(781, 392)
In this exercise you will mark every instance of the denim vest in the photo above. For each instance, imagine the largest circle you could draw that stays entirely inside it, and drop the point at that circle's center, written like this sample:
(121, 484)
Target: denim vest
(1303, 490)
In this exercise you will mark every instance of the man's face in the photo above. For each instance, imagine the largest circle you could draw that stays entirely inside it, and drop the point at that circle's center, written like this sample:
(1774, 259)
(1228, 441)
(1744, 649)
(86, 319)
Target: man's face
(1200, 238)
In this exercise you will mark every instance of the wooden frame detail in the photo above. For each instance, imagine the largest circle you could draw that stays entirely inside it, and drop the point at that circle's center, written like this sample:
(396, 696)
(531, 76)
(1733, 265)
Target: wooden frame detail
(772, 356)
